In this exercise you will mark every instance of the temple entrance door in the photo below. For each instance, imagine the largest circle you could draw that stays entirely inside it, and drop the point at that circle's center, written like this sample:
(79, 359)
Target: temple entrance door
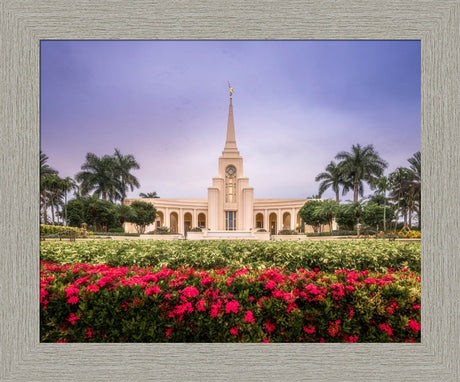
(230, 220)
(273, 223)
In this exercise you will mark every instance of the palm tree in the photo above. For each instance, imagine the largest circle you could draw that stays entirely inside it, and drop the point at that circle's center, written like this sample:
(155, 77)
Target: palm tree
(416, 192)
(400, 183)
(333, 178)
(361, 164)
(149, 195)
(383, 186)
(100, 175)
(124, 164)
(45, 170)
(328, 209)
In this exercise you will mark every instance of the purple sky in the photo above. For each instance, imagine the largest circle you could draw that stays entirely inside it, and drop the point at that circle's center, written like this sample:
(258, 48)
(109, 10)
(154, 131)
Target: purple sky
(296, 105)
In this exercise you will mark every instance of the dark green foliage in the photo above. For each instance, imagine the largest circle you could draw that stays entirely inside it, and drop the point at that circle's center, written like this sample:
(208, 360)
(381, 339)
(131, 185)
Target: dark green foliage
(99, 213)
(142, 214)
(309, 214)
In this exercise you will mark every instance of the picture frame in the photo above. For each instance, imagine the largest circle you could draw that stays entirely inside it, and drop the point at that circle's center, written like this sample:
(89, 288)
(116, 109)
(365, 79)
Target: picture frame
(22, 26)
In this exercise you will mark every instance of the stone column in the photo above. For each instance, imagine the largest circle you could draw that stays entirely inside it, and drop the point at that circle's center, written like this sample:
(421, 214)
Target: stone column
(293, 219)
(194, 219)
(266, 220)
(167, 218)
(181, 221)
(279, 221)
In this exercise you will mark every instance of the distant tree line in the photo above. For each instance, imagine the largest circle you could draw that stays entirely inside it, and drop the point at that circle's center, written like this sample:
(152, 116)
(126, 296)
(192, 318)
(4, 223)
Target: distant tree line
(395, 196)
(101, 183)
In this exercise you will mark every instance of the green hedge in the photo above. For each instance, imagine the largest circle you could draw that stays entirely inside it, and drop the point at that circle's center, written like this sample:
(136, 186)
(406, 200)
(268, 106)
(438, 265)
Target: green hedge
(328, 256)
(52, 229)
(97, 303)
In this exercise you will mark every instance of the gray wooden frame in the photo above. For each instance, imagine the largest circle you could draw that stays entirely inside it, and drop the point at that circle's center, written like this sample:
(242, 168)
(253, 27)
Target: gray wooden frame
(23, 23)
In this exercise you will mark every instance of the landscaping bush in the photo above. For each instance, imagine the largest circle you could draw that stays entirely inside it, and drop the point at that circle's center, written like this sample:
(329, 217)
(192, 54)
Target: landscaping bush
(287, 232)
(52, 229)
(98, 303)
(110, 233)
(371, 255)
(333, 233)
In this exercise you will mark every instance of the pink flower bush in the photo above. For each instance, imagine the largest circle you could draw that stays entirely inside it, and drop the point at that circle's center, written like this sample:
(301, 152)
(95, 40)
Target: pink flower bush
(223, 305)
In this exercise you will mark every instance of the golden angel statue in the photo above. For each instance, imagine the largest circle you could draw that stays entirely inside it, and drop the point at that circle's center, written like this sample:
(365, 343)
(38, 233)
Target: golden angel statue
(231, 89)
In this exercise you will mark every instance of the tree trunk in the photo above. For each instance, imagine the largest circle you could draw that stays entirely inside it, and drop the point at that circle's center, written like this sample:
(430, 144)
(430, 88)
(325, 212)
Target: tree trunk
(104, 195)
(337, 197)
(355, 192)
(52, 212)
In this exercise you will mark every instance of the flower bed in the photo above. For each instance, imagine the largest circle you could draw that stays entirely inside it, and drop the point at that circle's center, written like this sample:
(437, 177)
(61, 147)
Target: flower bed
(326, 255)
(99, 303)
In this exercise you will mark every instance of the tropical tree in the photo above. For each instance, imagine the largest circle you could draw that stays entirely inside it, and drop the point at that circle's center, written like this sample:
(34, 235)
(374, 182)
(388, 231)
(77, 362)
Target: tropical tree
(401, 192)
(374, 215)
(383, 185)
(333, 178)
(100, 175)
(416, 186)
(328, 209)
(101, 214)
(124, 164)
(309, 214)
(362, 164)
(142, 215)
(45, 171)
(149, 195)
(348, 215)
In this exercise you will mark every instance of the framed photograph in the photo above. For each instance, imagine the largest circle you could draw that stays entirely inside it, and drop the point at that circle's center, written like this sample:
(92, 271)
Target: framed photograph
(26, 25)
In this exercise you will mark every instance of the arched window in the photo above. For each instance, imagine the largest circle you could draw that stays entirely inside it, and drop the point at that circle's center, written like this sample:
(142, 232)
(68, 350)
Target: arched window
(230, 184)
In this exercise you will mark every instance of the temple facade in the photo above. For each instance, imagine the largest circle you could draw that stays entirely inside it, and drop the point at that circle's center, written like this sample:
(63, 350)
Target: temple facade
(230, 209)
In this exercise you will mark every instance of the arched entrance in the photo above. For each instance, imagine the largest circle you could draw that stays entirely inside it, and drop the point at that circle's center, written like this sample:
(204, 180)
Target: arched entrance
(187, 221)
(259, 220)
(159, 221)
(300, 223)
(272, 221)
(286, 220)
(201, 220)
(174, 222)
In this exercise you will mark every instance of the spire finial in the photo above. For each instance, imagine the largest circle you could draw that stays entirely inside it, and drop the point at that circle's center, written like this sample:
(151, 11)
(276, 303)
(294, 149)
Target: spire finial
(231, 89)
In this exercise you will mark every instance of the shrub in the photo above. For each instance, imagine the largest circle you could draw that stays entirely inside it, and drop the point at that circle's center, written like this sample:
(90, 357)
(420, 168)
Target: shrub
(97, 303)
(371, 255)
(196, 229)
(160, 231)
(287, 232)
(46, 230)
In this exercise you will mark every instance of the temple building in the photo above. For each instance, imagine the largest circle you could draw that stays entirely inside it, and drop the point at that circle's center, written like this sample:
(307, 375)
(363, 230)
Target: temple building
(230, 209)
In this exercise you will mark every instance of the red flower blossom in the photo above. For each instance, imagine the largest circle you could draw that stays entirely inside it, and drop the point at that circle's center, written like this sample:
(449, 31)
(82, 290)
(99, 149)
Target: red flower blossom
(190, 291)
(92, 288)
(386, 328)
(152, 290)
(232, 307)
(234, 330)
(270, 327)
(309, 330)
(249, 317)
(89, 333)
(73, 318)
(200, 305)
(72, 300)
(414, 326)
(334, 328)
(168, 332)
